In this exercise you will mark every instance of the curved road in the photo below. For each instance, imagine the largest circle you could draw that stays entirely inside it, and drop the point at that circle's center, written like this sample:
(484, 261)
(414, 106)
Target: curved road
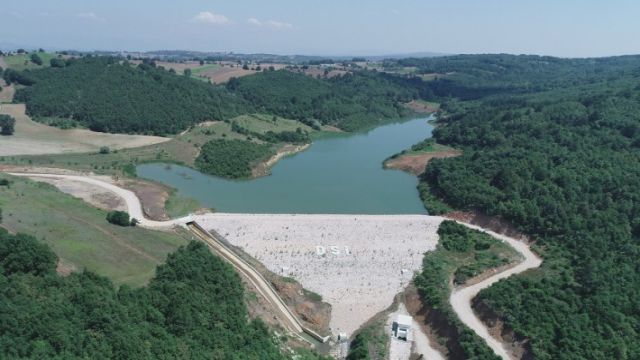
(460, 298)
(129, 197)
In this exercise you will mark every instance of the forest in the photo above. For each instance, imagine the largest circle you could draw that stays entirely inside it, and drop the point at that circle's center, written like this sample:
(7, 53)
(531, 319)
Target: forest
(192, 309)
(108, 94)
(350, 102)
(551, 146)
(232, 159)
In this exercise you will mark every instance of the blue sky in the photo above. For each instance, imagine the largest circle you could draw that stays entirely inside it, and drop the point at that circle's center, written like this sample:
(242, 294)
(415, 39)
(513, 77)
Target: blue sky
(566, 28)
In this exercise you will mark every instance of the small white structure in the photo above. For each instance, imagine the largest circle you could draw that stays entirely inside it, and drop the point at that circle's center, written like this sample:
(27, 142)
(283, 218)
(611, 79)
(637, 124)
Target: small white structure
(402, 327)
(342, 337)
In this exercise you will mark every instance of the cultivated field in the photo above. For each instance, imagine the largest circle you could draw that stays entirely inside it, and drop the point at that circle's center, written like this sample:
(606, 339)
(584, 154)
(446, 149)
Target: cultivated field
(221, 75)
(32, 138)
(357, 263)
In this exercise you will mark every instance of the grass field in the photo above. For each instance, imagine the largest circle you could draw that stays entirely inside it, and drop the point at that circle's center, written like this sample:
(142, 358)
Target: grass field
(32, 138)
(80, 235)
(182, 149)
(23, 61)
(261, 123)
(202, 68)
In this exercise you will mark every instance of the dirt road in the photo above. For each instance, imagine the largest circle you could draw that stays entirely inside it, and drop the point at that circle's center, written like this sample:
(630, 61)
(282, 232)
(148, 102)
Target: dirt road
(133, 203)
(461, 298)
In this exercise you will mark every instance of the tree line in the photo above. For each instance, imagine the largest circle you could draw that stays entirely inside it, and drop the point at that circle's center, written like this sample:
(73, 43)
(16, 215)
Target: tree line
(192, 308)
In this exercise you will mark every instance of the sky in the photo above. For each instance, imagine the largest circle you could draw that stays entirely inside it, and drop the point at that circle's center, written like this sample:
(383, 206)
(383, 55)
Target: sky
(566, 28)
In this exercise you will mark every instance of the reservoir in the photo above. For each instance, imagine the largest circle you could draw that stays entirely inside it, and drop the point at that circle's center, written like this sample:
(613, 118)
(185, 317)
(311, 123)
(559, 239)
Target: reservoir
(336, 175)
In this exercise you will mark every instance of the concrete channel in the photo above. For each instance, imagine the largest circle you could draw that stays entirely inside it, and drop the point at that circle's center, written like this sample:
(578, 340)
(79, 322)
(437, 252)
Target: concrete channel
(286, 316)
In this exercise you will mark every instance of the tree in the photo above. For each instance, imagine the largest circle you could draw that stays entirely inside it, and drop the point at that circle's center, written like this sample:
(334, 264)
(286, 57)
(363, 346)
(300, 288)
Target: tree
(104, 150)
(201, 62)
(120, 218)
(187, 72)
(57, 62)
(7, 123)
(245, 67)
(36, 59)
(23, 253)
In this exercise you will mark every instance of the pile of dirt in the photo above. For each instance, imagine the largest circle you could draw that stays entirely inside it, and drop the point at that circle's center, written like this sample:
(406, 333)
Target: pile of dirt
(316, 314)
(421, 107)
(416, 164)
(152, 197)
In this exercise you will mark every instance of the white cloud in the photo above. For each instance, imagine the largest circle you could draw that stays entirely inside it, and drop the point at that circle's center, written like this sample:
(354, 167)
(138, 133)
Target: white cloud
(270, 23)
(279, 25)
(90, 16)
(208, 17)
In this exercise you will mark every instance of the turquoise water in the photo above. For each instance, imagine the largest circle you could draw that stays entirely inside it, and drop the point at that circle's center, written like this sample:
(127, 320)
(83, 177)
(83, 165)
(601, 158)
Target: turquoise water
(341, 175)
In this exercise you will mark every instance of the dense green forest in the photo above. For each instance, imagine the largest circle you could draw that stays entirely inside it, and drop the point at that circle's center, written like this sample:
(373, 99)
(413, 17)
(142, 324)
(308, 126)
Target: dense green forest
(192, 309)
(351, 102)
(111, 95)
(232, 158)
(552, 146)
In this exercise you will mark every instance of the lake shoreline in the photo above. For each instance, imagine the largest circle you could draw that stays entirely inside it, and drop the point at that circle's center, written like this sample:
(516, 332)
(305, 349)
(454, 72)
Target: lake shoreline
(334, 174)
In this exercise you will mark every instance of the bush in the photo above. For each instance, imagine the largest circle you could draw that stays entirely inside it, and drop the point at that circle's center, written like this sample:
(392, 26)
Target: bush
(7, 123)
(120, 218)
(36, 59)
(57, 63)
(455, 237)
(104, 150)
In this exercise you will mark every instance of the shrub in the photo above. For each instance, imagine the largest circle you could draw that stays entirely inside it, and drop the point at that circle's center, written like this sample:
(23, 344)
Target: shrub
(7, 123)
(120, 218)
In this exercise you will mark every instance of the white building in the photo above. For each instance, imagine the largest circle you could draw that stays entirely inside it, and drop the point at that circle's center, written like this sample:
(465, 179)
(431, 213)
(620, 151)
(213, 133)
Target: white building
(402, 327)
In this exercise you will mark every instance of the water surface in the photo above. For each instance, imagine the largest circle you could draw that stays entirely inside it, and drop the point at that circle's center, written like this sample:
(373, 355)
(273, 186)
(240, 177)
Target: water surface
(336, 175)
